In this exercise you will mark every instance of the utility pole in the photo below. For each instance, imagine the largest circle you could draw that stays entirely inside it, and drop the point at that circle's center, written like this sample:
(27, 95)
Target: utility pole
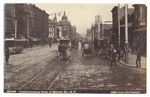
(28, 28)
(15, 22)
(119, 25)
(126, 34)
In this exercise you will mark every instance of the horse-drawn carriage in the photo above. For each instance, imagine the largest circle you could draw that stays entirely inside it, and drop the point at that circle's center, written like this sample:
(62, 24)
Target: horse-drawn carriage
(98, 45)
(63, 48)
(101, 48)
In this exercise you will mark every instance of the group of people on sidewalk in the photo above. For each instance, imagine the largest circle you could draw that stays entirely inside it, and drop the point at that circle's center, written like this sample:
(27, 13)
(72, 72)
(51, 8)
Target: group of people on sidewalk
(116, 54)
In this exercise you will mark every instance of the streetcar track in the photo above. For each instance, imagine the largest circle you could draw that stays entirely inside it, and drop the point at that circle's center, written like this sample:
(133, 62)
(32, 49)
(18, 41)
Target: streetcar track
(29, 67)
(32, 50)
(58, 74)
(29, 61)
(38, 74)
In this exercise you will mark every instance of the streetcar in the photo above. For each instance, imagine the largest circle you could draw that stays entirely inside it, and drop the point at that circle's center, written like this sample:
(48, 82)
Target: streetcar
(87, 49)
(15, 45)
(64, 48)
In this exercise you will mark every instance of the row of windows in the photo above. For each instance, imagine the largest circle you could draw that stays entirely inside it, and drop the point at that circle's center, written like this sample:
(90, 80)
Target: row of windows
(141, 13)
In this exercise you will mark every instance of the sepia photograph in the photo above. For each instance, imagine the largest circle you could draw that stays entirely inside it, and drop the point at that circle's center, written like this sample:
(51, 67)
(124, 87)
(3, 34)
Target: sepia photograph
(75, 48)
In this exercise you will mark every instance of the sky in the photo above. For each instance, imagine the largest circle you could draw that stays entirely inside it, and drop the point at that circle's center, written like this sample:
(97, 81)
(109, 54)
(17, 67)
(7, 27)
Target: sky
(80, 15)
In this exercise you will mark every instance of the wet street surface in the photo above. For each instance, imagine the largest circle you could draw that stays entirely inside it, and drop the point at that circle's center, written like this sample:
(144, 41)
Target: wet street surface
(40, 69)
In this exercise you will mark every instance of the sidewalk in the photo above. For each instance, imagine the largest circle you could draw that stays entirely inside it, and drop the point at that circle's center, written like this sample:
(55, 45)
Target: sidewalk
(38, 47)
(132, 63)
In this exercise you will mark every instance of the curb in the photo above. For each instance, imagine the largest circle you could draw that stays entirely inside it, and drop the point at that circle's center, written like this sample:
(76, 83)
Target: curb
(130, 66)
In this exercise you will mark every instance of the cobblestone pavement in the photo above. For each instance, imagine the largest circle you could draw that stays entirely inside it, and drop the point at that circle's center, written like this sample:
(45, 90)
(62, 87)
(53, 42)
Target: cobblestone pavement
(42, 71)
(97, 74)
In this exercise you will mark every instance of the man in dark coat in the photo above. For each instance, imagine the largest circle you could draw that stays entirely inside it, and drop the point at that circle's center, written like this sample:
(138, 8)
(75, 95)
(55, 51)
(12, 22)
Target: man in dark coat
(113, 55)
(7, 55)
(138, 59)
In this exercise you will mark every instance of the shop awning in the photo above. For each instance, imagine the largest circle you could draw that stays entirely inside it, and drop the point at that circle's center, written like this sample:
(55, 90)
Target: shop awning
(141, 29)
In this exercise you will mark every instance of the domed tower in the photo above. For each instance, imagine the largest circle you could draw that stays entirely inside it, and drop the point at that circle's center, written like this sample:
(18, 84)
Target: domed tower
(64, 17)
(66, 26)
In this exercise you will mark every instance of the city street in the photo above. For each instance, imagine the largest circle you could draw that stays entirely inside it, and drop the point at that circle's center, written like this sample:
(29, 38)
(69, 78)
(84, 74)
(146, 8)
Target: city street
(40, 69)
(75, 48)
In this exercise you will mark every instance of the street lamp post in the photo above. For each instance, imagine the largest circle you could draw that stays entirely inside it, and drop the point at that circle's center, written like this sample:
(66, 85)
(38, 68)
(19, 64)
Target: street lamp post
(126, 34)
(28, 30)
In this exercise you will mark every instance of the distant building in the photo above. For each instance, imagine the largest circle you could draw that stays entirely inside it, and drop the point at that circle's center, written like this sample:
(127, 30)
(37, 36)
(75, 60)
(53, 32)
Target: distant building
(89, 34)
(66, 26)
(61, 29)
(106, 29)
(98, 21)
(73, 32)
(53, 28)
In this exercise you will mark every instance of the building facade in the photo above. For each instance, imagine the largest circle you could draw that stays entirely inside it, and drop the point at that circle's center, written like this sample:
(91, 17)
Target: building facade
(25, 20)
(140, 25)
(73, 32)
(115, 23)
(106, 30)
(61, 29)
(53, 29)
(89, 34)
(66, 26)
(14, 20)
(38, 22)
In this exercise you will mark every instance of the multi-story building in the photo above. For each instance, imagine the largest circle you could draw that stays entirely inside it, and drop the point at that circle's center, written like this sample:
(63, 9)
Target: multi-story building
(98, 21)
(130, 30)
(61, 29)
(106, 29)
(66, 26)
(25, 20)
(137, 25)
(89, 34)
(9, 20)
(14, 20)
(115, 22)
(38, 19)
(53, 24)
(140, 24)
(73, 32)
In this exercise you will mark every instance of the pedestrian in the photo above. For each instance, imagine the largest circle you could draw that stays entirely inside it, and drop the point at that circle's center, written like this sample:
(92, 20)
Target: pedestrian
(138, 59)
(118, 53)
(133, 46)
(113, 59)
(7, 55)
(137, 44)
(50, 44)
